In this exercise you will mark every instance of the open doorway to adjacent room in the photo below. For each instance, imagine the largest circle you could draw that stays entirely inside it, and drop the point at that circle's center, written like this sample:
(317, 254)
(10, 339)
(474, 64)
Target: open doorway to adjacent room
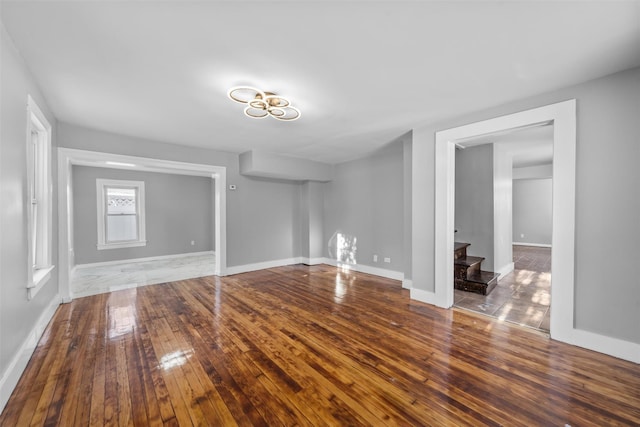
(503, 221)
(195, 246)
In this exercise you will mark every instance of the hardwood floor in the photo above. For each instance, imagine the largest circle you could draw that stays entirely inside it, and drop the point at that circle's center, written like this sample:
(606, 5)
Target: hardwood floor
(305, 345)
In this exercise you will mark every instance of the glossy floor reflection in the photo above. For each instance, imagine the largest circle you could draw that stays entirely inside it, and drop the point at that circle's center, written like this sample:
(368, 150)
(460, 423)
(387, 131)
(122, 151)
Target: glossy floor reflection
(522, 296)
(87, 281)
(306, 346)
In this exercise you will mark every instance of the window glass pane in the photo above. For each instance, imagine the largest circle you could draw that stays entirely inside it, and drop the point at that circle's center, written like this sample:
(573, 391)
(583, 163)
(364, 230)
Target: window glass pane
(122, 228)
(121, 201)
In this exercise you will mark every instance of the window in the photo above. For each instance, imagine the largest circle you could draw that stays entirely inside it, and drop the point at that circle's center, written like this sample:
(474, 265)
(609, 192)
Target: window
(120, 214)
(39, 184)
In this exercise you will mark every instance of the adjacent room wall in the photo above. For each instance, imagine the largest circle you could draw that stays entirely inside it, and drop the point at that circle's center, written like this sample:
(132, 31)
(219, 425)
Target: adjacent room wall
(263, 215)
(366, 200)
(607, 199)
(533, 172)
(21, 320)
(178, 210)
(474, 201)
(532, 211)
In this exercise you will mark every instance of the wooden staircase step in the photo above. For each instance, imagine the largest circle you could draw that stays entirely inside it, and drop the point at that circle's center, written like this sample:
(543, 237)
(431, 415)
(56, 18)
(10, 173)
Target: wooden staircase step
(460, 245)
(468, 261)
(467, 273)
(460, 250)
(483, 277)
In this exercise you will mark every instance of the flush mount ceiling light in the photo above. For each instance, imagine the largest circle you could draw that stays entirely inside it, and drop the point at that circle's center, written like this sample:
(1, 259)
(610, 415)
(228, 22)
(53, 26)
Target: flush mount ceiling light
(262, 104)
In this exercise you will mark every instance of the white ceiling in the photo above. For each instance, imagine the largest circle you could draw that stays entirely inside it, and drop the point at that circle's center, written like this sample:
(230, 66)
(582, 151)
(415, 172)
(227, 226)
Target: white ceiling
(362, 73)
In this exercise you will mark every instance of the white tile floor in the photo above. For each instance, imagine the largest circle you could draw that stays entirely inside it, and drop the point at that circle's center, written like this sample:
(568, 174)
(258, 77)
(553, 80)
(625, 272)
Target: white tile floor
(101, 279)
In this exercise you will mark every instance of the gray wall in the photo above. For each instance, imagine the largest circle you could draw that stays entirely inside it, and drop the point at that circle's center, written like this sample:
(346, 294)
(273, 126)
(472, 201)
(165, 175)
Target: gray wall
(262, 215)
(474, 201)
(366, 200)
(18, 316)
(607, 199)
(312, 221)
(532, 211)
(178, 209)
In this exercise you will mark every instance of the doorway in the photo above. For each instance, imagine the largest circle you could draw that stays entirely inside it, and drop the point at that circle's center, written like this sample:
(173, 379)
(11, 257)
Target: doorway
(503, 217)
(563, 116)
(67, 158)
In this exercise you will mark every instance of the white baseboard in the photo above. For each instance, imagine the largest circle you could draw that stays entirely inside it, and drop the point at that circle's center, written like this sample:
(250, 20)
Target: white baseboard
(20, 360)
(536, 245)
(312, 261)
(407, 283)
(134, 260)
(237, 269)
(423, 296)
(615, 347)
(389, 274)
(506, 269)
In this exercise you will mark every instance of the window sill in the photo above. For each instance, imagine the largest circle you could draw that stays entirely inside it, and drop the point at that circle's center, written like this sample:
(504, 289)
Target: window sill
(102, 246)
(40, 277)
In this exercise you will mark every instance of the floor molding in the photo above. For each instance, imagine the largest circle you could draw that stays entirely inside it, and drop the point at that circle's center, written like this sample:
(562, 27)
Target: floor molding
(19, 362)
(423, 296)
(389, 274)
(312, 261)
(407, 283)
(506, 269)
(147, 259)
(615, 347)
(245, 268)
(535, 245)
(376, 271)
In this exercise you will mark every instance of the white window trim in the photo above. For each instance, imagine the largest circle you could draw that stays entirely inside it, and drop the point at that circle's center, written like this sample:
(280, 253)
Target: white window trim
(39, 269)
(101, 184)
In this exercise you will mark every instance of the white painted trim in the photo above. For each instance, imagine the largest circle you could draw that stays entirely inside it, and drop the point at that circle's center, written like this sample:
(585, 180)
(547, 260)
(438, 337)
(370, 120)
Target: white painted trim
(132, 244)
(563, 117)
(407, 283)
(312, 261)
(67, 157)
(535, 245)
(615, 347)
(19, 362)
(238, 269)
(423, 296)
(389, 274)
(135, 260)
(505, 269)
(40, 278)
(41, 265)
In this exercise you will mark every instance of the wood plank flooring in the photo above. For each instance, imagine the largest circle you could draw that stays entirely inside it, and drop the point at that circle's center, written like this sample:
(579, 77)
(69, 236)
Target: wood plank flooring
(303, 346)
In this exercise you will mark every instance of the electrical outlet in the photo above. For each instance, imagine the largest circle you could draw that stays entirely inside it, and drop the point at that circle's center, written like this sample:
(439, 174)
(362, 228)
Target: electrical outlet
(522, 236)
(387, 260)
(193, 242)
(375, 258)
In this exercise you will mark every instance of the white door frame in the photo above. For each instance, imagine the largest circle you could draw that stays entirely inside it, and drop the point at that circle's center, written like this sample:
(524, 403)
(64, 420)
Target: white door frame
(68, 157)
(563, 117)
